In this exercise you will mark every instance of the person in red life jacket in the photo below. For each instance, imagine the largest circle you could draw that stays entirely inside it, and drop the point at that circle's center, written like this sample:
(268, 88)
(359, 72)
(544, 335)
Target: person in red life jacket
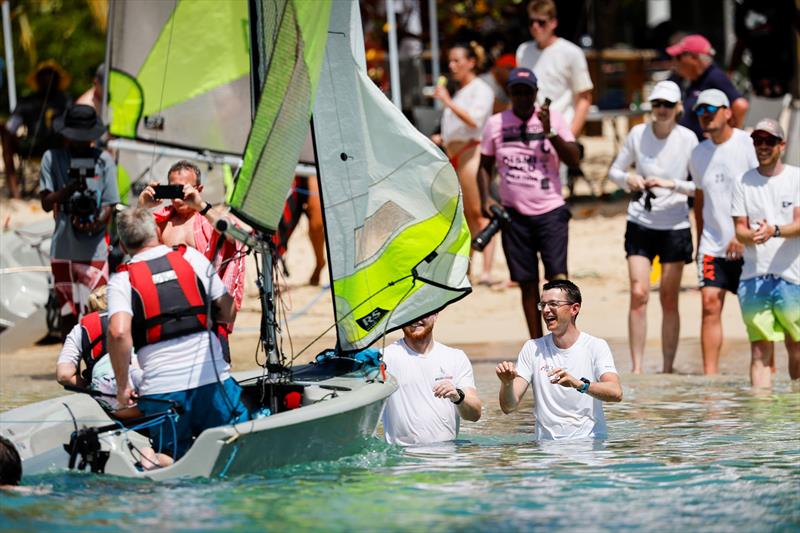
(158, 303)
(85, 346)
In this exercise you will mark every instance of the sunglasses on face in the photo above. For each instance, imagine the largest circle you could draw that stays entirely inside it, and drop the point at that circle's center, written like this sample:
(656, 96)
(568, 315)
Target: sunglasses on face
(655, 104)
(706, 109)
(540, 22)
(768, 141)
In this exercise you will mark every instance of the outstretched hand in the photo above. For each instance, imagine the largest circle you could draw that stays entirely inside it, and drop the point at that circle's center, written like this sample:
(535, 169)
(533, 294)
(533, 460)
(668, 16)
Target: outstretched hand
(506, 372)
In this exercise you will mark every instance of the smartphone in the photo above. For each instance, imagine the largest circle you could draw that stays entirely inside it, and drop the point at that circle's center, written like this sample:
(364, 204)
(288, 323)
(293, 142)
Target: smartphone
(168, 192)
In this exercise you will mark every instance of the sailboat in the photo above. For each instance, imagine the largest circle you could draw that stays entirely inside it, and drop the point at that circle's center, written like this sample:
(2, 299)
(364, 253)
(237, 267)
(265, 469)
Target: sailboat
(397, 247)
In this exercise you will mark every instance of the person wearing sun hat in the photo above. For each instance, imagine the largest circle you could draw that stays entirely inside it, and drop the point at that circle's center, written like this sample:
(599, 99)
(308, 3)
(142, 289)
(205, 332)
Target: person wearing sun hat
(78, 183)
(694, 62)
(766, 214)
(658, 216)
(36, 112)
(716, 165)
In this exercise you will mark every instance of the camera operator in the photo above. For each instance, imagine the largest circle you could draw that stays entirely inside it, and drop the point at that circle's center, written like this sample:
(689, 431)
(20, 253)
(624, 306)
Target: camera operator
(79, 184)
(528, 145)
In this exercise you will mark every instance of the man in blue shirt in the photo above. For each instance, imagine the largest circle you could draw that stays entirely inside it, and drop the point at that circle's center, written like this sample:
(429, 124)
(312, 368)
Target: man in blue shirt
(694, 62)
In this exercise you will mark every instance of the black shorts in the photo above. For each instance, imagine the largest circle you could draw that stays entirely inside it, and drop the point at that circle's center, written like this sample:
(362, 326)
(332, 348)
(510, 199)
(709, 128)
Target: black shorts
(719, 272)
(670, 245)
(529, 235)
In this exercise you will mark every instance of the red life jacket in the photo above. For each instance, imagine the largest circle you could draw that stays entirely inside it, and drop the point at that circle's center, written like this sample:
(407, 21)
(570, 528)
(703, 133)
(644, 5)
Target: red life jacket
(168, 298)
(93, 341)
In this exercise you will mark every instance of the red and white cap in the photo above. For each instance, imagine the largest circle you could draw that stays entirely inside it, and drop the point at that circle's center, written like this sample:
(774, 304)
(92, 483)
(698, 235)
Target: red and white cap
(771, 126)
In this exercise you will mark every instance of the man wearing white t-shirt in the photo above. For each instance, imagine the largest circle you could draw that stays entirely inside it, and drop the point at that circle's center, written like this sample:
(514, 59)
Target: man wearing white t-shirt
(559, 65)
(716, 165)
(436, 388)
(157, 303)
(567, 406)
(766, 214)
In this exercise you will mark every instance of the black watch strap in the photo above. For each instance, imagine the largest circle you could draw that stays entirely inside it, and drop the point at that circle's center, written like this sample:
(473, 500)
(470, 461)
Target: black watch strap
(206, 209)
(460, 396)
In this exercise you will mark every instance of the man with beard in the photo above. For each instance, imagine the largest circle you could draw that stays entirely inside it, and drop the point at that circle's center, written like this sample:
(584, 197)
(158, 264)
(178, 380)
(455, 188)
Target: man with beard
(567, 407)
(766, 214)
(436, 388)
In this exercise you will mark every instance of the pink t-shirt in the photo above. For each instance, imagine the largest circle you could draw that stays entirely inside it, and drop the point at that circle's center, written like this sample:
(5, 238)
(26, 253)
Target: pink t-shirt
(529, 171)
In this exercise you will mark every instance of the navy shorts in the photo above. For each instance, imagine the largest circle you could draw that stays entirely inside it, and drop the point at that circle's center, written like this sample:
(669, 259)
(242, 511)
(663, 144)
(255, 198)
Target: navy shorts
(529, 237)
(670, 245)
(719, 272)
(204, 407)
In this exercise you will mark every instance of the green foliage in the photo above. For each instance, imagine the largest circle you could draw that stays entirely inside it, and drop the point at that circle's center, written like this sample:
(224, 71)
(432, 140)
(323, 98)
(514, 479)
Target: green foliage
(63, 30)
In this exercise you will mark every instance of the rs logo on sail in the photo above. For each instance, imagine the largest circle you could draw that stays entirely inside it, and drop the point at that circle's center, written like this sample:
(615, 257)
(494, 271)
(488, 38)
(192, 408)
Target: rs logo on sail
(371, 320)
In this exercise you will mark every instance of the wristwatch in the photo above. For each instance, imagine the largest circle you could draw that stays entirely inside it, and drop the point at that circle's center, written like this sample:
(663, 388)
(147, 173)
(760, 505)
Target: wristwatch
(205, 209)
(777, 231)
(460, 396)
(585, 385)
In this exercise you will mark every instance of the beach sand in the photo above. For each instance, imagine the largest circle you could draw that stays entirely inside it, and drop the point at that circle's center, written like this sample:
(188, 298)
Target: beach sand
(488, 324)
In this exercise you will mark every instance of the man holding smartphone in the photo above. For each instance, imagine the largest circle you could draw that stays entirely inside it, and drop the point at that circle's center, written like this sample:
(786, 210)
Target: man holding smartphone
(527, 146)
(189, 220)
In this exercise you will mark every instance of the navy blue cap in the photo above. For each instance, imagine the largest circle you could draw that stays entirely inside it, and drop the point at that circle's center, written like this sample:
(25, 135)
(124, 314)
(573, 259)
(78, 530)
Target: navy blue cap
(522, 76)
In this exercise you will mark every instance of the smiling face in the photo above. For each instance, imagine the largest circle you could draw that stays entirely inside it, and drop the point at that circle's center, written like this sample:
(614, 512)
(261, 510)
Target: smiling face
(558, 311)
(420, 328)
(460, 64)
(768, 148)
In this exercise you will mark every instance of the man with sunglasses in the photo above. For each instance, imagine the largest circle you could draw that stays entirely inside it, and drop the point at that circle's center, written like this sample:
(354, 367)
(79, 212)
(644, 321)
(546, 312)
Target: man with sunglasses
(572, 372)
(559, 65)
(694, 62)
(527, 145)
(766, 215)
(716, 165)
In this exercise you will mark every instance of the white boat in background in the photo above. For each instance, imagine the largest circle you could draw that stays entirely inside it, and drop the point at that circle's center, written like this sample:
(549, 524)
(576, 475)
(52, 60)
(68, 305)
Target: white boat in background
(398, 249)
(25, 283)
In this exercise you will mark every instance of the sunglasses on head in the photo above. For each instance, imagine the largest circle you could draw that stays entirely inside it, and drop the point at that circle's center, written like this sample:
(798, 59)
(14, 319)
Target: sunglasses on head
(768, 140)
(540, 22)
(655, 104)
(706, 109)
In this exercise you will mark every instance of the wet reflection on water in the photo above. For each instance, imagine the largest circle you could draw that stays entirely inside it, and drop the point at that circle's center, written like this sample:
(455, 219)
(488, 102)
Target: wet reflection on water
(684, 452)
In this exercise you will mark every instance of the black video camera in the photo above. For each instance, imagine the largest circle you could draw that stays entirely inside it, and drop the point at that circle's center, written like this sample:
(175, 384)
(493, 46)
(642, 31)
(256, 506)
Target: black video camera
(499, 219)
(83, 204)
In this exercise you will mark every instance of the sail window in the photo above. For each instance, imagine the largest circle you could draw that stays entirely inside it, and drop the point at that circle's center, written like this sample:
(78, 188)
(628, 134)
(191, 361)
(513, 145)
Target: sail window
(378, 228)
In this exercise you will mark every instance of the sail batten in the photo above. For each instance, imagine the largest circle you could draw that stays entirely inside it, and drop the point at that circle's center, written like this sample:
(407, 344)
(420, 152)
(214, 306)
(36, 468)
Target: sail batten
(397, 240)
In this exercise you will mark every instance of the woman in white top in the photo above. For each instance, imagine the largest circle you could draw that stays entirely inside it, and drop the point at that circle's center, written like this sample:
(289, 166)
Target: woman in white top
(464, 115)
(658, 216)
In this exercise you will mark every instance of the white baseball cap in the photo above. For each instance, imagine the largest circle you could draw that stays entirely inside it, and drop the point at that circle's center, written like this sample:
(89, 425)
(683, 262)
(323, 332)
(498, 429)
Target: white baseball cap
(666, 90)
(713, 97)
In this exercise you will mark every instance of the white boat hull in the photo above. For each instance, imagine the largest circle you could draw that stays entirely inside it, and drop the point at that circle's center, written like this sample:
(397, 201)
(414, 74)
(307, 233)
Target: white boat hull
(324, 427)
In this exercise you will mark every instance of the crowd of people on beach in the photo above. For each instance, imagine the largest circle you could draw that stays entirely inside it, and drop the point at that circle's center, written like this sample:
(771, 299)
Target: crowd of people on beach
(183, 279)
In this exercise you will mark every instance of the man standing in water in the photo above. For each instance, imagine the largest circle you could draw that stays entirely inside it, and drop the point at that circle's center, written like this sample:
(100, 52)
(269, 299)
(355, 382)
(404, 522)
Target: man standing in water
(567, 407)
(766, 214)
(716, 165)
(436, 388)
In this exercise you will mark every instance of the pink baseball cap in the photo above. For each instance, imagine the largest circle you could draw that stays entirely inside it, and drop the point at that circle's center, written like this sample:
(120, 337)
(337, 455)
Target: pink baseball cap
(694, 44)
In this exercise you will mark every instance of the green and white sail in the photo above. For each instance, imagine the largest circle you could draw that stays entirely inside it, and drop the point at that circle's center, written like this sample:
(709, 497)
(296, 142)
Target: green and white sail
(290, 39)
(179, 86)
(398, 243)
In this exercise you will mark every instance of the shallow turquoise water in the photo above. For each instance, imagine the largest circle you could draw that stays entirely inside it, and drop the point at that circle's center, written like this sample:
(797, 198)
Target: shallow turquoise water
(685, 453)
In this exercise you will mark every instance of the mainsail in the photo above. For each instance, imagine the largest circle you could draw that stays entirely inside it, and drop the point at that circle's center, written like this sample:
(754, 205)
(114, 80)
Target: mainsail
(289, 47)
(398, 244)
(179, 78)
